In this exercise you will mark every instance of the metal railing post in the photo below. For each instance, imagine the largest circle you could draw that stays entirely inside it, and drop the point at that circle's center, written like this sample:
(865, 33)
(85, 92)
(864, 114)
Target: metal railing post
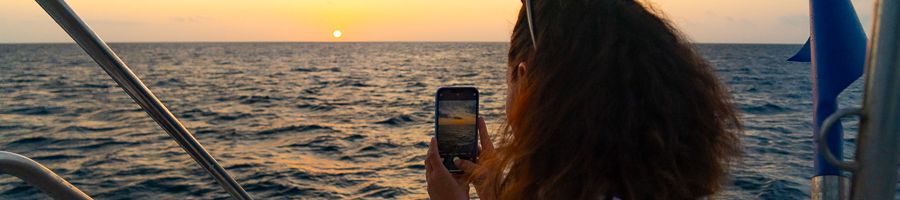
(110, 62)
(876, 152)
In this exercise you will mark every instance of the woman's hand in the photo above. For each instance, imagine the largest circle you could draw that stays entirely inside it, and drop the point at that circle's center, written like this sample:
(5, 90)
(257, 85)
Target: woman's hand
(441, 184)
(487, 148)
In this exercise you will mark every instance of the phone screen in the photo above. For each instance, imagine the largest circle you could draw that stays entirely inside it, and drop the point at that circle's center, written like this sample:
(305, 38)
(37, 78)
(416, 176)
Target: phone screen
(457, 136)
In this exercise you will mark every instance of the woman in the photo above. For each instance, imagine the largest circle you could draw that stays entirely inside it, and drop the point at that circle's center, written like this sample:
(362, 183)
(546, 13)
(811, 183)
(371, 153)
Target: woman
(607, 100)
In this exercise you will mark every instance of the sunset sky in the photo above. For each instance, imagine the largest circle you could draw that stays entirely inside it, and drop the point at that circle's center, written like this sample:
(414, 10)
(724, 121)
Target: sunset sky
(456, 112)
(718, 21)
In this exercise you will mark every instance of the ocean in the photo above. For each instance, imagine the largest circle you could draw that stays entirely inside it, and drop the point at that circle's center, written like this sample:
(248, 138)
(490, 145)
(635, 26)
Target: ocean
(329, 120)
(457, 139)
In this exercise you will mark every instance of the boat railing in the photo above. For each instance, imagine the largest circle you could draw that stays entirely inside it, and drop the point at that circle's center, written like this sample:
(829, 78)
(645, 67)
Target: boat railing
(39, 176)
(128, 81)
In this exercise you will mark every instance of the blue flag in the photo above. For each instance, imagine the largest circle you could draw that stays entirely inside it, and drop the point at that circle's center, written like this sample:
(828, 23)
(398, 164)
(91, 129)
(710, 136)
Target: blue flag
(837, 50)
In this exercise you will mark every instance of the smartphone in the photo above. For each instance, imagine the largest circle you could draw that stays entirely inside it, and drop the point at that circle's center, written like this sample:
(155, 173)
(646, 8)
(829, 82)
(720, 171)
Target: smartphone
(456, 110)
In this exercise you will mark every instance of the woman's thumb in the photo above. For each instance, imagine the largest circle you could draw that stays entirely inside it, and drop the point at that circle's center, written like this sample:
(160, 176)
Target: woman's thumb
(466, 165)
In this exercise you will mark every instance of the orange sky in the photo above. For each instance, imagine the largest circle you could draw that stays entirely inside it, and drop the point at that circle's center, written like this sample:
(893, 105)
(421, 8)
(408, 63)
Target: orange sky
(728, 21)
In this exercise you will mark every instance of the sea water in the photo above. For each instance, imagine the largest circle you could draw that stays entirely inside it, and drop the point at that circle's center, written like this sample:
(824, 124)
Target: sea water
(328, 120)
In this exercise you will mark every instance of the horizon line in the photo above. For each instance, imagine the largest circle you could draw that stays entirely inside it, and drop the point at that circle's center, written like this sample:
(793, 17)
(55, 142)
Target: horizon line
(373, 41)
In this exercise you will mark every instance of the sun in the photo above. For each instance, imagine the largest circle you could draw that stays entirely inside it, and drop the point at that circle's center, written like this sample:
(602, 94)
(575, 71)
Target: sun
(337, 34)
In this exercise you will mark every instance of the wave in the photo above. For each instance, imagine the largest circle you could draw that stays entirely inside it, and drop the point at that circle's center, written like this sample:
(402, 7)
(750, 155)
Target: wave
(253, 99)
(87, 129)
(397, 120)
(315, 107)
(35, 110)
(767, 108)
(30, 141)
(293, 128)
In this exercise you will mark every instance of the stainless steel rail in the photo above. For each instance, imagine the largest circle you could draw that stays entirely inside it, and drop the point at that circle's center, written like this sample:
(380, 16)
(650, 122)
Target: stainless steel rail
(877, 150)
(110, 62)
(39, 176)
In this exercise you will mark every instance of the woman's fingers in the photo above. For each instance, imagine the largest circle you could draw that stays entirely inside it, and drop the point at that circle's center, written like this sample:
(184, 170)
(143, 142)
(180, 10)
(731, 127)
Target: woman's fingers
(468, 168)
(434, 158)
(433, 150)
(465, 165)
(427, 165)
(440, 183)
(486, 143)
